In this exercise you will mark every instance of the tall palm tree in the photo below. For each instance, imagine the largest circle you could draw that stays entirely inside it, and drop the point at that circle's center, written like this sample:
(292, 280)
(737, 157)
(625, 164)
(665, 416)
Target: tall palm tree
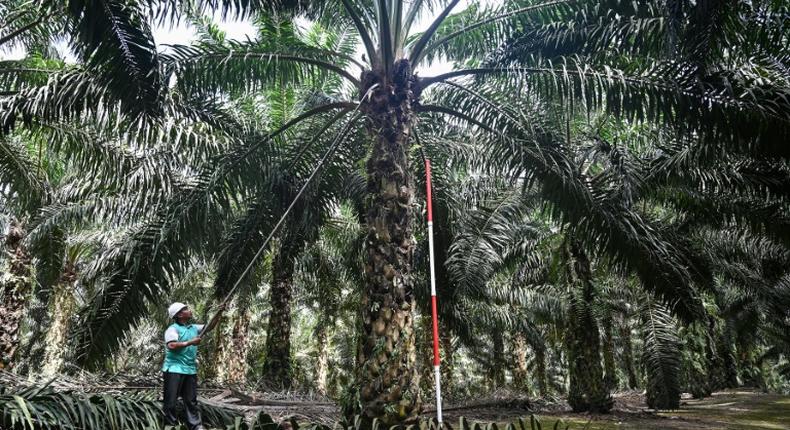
(387, 96)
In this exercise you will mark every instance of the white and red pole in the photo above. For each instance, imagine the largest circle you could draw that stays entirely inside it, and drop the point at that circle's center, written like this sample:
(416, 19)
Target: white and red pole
(434, 316)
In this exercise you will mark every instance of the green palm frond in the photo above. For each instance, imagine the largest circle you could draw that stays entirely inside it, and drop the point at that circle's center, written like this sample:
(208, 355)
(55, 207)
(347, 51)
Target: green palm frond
(35, 406)
(484, 237)
(30, 25)
(478, 31)
(114, 38)
(661, 356)
(240, 68)
(597, 30)
(242, 9)
(66, 96)
(471, 317)
(33, 70)
(21, 174)
(598, 211)
(733, 108)
(140, 265)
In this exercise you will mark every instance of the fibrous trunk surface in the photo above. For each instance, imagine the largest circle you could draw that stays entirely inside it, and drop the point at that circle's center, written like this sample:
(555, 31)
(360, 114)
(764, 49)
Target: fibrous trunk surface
(610, 368)
(386, 360)
(16, 284)
(277, 367)
(587, 390)
(322, 361)
(496, 367)
(540, 371)
(63, 307)
(232, 356)
(628, 354)
(520, 372)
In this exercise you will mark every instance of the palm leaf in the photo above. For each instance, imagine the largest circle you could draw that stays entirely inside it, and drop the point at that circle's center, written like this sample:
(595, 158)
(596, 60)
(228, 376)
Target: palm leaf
(113, 37)
(661, 356)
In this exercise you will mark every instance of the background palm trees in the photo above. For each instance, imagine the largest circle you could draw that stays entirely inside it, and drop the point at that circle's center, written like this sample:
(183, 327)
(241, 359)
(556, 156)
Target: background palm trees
(592, 158)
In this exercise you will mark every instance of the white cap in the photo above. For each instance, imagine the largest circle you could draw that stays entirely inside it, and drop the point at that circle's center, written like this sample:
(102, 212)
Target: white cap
(175, 308)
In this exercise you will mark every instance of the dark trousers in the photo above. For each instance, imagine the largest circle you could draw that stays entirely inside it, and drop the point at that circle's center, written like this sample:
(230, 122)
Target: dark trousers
(184, 386)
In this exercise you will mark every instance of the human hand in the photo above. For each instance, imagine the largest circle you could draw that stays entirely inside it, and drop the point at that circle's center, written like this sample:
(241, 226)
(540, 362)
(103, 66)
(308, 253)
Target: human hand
(195, 341)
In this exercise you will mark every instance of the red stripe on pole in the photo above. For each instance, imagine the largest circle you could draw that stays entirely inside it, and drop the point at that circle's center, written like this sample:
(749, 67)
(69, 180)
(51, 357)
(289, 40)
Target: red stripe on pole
(436, 360)
(428, 188)
(434, 313)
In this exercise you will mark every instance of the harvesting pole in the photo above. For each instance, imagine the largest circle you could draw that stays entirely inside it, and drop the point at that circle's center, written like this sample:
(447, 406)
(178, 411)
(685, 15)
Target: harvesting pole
(434, 316)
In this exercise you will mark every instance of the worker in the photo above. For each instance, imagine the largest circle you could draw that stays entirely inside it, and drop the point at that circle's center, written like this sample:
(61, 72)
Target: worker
(180, 366)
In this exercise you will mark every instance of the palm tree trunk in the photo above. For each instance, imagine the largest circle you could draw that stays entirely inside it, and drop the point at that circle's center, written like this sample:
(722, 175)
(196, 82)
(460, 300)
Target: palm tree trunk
(628, 355)
(540, 371)
(16, 284)
(715, 361)
(234, 353)
(322, 361)
(587, 390)
(520, 372)
(496, 370)
(727, 353)
(63, 306)
(386, 360)
(218, 351)
(277, 367)
(448, 361)
(610, 368)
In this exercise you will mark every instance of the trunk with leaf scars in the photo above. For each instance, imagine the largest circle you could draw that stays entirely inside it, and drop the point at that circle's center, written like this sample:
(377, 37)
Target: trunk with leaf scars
(216, 350)
(232, 356)
(424, 334)
(727, 353)
(277, 367)
(714, 357)
(520, 369)
(63, 307)
(386, 374)
(322, 360)
(16, 284)
(540, 371)
(496, 369)
(610, 368)
(587, 391)
(628, 355)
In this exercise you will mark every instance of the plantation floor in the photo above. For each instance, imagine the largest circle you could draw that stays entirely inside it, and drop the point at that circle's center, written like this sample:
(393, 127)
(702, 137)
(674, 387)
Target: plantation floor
(734, 409)
(730, 410)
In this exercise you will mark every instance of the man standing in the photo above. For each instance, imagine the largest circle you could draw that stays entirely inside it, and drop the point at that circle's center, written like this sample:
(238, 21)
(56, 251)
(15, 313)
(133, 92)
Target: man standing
(180, 366)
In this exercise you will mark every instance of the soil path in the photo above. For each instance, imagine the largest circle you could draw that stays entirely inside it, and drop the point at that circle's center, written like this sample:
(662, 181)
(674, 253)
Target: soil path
(725, 410)
(730, 410)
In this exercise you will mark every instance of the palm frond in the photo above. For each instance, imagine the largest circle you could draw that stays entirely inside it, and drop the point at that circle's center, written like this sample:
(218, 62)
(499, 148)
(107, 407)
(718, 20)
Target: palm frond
(29, 25)
(601, 31)
(113, 37)
(661, 356)
(21, 175)
(241, 68)
(733, 108)
(140, 265)
(478, 31)
(34, 406)
(484, 235)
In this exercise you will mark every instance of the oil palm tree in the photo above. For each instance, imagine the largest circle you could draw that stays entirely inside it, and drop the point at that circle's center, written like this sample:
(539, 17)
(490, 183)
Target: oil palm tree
(387, 96)
(391, 96)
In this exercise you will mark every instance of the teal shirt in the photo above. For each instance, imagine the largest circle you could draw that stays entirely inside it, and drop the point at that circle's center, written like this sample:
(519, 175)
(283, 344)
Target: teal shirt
(181, 360)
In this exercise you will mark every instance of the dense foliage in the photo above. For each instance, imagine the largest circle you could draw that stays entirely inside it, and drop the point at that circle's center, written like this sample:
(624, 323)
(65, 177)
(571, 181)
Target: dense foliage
(610, 178)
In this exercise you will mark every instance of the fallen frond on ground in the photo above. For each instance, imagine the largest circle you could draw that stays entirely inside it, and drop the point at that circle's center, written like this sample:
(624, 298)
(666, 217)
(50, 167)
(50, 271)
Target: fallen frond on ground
(47, 404)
